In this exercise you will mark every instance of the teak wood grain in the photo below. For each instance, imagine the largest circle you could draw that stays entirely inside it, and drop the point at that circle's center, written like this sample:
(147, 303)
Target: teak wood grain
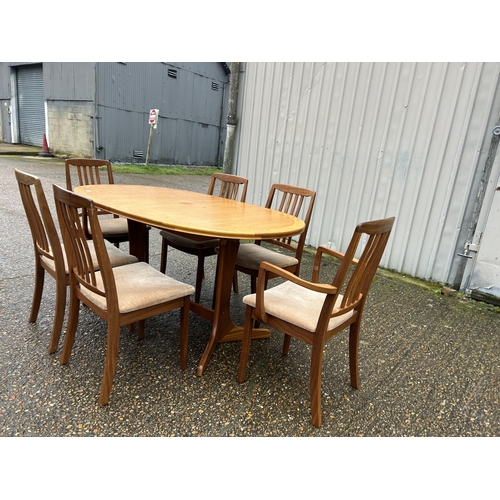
(191, 212)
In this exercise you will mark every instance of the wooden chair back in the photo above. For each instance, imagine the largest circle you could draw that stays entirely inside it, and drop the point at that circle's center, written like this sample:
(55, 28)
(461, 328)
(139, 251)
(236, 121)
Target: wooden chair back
(68, 206)
(87, 171)
(362, 269)
(229, 186)
(43, 230)
(292, 200)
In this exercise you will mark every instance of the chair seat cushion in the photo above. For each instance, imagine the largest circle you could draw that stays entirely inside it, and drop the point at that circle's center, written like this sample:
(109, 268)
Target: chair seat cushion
(117, 257)
(184, 241)
(138, 286)
(251, 255)
(297, 305)
(113, 227)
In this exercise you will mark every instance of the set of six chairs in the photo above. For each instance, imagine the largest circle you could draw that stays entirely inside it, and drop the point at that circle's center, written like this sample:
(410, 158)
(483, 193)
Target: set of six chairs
(123, 291)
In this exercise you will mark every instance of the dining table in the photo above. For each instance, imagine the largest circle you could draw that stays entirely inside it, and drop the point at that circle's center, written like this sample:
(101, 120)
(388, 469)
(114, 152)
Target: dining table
(201, 216)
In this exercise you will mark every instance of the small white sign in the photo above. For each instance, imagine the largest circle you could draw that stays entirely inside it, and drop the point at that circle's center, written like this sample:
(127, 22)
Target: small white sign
(153, 117)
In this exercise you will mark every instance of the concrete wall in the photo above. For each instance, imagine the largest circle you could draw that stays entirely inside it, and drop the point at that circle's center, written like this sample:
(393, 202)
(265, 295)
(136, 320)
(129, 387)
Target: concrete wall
(70, 128)
(1, 120)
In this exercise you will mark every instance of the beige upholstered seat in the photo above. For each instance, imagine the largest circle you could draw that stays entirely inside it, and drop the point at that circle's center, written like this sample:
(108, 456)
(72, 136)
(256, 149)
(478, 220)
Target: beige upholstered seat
(298, 305)
(49, 253)
(121, 295)
(285, 253)
(139, 286)
(314, 312)
(116, 256)
(87, 171)
(228, 186)
(114, 228)
(250, 256)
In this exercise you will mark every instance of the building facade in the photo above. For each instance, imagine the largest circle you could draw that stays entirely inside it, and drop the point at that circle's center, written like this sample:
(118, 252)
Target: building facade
(102, 109)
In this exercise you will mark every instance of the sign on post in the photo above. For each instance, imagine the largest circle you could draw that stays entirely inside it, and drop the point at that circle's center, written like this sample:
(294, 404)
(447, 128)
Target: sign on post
(153, 117)
(153, 121)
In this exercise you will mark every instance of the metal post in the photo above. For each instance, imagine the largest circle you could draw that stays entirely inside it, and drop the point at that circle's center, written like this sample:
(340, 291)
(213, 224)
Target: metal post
(149, 143)
(232, 118)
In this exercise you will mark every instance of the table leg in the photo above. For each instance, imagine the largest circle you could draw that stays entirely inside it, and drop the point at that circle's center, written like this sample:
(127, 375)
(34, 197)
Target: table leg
(138, 240)
(223, 329)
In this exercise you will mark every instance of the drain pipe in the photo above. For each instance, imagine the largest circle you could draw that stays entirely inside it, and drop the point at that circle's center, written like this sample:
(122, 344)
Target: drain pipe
(485, 177)
(232, 118)
(96, 123)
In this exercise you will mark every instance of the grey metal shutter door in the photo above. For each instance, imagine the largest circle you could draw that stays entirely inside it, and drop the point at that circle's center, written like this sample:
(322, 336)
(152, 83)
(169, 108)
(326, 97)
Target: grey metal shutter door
(31, 104)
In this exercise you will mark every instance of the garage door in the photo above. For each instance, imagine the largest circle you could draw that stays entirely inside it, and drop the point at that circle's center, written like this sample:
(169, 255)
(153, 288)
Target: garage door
(31, 104)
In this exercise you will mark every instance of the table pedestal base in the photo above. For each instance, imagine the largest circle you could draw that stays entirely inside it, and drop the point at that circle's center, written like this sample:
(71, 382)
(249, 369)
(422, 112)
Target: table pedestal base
(223, 329)
(235, 334)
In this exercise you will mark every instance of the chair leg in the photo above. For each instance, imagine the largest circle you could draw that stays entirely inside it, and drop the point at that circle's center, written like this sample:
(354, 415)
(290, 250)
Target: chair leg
(37, 292)
(286, 344)
(315, 382)
(74, 311)
(184, 326)
(253, 284)
(110, 363)
(200, 272)
(235, 281)
(163, 259)
(58, 316)
(245, 345)
(141, 327)
(354, 330)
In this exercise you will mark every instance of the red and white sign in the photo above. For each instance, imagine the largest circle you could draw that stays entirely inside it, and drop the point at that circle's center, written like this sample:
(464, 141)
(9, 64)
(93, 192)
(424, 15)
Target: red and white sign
(153, 116)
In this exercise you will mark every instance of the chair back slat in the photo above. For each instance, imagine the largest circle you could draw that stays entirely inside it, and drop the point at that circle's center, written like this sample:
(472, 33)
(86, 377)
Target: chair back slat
(88, 175)
(229, 186)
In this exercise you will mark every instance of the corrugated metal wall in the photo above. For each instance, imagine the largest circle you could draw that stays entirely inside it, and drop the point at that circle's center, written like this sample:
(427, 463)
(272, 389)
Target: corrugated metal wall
(374, 140)
(192, 100)
(69, 81)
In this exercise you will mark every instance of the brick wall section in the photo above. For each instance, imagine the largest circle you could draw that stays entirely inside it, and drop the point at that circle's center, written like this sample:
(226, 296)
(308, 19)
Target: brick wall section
(71, 128)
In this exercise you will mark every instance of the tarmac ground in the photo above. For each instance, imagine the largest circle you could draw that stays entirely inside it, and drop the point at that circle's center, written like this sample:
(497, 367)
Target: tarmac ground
(429, 363)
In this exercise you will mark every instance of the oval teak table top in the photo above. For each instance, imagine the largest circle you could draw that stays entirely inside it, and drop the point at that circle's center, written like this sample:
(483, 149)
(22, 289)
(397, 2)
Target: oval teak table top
(192, 212)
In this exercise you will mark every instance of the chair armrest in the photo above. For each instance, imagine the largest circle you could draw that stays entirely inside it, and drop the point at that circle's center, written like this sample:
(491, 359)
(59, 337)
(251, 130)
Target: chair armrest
(266, 268)
(333, 253)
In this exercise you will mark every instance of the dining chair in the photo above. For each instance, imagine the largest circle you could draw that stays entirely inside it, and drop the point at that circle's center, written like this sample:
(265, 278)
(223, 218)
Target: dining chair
(49, 253)
(121, 295)
(90, 171)
(226, 186)
(314, 312)
(284, 253)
